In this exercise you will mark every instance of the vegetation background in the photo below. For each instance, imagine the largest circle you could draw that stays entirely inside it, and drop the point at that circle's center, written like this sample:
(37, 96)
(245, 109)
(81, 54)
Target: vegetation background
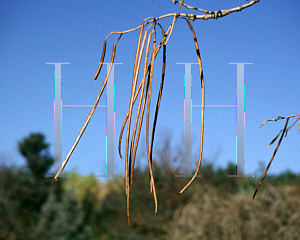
(82, 207)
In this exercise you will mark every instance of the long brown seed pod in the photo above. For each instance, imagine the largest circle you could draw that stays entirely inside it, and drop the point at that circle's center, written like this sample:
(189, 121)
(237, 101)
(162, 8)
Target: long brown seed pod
(164, 41)
(101, 60)
(147, 122)
(202, 104)
(91, 112)
(133, 101)
(129, 119)
(139, 109)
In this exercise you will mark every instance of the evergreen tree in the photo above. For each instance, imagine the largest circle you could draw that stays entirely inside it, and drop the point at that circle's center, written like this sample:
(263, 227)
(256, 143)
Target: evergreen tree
(35, 150)
(25, 189)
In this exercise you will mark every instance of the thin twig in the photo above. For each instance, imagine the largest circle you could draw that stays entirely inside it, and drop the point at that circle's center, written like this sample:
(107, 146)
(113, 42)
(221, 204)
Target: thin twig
(189, 7)
(279, 118)
(288, 128)
(212, 14)
(284, 129)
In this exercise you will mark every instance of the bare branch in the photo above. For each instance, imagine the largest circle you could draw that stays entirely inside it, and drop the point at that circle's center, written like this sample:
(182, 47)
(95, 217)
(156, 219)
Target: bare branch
(284, 130)
(279, 118)
(212, 14)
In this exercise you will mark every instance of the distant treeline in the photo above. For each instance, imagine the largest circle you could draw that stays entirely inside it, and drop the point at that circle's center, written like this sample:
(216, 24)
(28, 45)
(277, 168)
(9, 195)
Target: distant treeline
(81, 207)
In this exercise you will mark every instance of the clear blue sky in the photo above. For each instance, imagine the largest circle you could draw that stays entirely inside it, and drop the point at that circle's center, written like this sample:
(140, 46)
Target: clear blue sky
(36, 32)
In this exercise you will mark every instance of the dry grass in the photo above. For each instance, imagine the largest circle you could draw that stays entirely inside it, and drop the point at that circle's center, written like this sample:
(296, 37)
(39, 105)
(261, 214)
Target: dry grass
(276, 215)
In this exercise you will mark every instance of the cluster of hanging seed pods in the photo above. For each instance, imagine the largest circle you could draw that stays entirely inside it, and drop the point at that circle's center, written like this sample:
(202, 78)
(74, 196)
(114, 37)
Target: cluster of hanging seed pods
(148, 47)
